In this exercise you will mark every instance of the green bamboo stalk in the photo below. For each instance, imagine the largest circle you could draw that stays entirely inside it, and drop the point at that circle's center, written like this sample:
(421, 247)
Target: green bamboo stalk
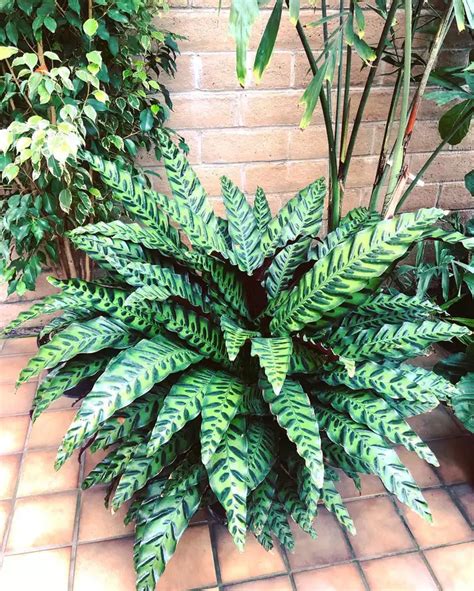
(339, 81)
(399, 150)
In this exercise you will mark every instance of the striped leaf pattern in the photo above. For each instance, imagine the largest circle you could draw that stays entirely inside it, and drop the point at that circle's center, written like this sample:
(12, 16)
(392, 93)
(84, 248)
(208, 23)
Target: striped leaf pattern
(333, 502)
(127, 377)
(182, 404)
(295, 414)
(300, 217)
(261, 210)
(259, 502)
(375, 413)
(463, 401)
(243, 229)
(89, 337)
(235, 336)
(363, 443)
(283, 267)
(262, 451)
(220, 404)
(228, 476)
(274, 357)
(346, 268)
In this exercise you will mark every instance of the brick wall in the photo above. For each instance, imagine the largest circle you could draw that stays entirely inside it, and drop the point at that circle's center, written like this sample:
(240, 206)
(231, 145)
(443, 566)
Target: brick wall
(252, 134)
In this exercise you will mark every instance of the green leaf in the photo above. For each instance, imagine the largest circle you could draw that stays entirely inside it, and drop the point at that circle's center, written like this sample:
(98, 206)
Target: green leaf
(274, 356)
(295, 414)
(7, 51)
(452, 119)
(64, 377)
(311, 95)
(90, 27)
(235, 336)
(262, 451)
(300, 217)
(347, 268)
(267, 42)
(220, 404)
(228, 476)
(146, 120)
(243, 228)
(243, 13)
(158, 532)
(359, 442)
(89, 337)
(294, 11)
(127, 377)
(182, 404)
(333, 502)
(65, 200)
(283, 267)
(261, 210)
(463, 401)
(469, 182)
(259, 502)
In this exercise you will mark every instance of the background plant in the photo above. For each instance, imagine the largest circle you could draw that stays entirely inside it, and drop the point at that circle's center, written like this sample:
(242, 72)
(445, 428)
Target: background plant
(242, 371)
(343, 31)
(73, 73)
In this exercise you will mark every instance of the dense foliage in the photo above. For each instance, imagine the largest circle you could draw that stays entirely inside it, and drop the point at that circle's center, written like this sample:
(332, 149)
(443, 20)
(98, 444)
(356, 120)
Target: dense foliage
(72, 73)
(238, 362)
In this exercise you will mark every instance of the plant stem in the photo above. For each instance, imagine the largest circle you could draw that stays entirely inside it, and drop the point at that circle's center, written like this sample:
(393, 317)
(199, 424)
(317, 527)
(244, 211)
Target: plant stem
(432, 156)
(334, 200)
(339, 81)
(344, 169)
(399, 150)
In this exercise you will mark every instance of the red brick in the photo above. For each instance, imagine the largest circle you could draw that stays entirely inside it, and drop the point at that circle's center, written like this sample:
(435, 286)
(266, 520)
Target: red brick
(202, 111)
(265, 108)
(283, 177)
(147, 159)
(448, 166)
(185, 78)
(455, 196)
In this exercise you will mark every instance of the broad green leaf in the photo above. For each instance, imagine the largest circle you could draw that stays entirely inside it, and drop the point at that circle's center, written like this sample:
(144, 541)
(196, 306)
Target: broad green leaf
(182, 404)
(127, 377)
(311, 95)
(242, 16)
(347, 268)
(261, 210)
(278, 523)
(288, 495)
(243, 228)
(89, 337)
(259, 502)
(262, 451)
(228, 476)
(220, 403)
(361, 443)
(283, 267)
(463, 401)
(90, 27)
(333, 502)
(295, 414)
(274, 357)
(294, 11)
(7, 51)
(448, 121)
(235, 336)
(158, 533)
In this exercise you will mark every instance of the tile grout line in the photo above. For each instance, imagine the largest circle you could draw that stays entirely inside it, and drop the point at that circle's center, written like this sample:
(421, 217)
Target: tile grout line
(215, 555)
(77, 517)
(354, 557)
(288, 567)
(13, 499)
(415, 541)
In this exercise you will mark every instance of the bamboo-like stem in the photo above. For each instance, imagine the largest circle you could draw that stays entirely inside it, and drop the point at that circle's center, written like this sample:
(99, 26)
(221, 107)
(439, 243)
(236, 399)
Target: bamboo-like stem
(344, 169)
(399, 150)
(334, 200)
(421, 172)
(339, 81)
(324, 13)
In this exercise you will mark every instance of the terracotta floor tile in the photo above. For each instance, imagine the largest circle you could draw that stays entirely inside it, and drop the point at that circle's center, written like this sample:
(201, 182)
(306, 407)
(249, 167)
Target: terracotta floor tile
(456, 459)
(5, 508)
(47, 570)
(370, 485)
(13, 433)
(273, 584)
(64, 402)
(398, 573)
(105, 566)
(10, 367)
(22, 346)
(421, 471)
(448, 524)
(329, 547)
(254, 561)
(453, 566)
(9, 467)
(434, 424)
(16, 402)
(97, 522)
(379, 528)
(44, 520)
(192, 566)
(39, 476)
(465, 494)
(49, 429)
(344, 577)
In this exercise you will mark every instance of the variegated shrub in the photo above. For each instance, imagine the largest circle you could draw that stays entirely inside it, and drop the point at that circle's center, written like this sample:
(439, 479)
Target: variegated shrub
(240, 361)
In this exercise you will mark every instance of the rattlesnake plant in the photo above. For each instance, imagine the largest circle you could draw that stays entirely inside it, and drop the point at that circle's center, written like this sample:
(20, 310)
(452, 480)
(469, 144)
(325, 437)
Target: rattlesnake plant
(241, 370)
